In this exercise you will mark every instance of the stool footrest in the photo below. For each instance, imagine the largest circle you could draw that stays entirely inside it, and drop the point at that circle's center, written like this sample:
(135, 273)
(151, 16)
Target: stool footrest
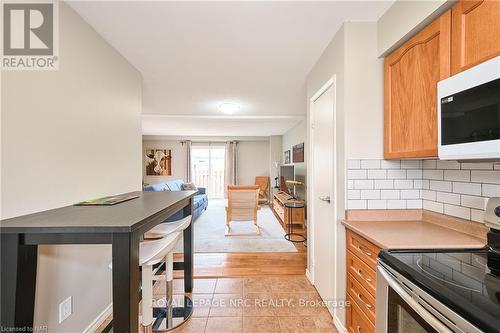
(181, 313)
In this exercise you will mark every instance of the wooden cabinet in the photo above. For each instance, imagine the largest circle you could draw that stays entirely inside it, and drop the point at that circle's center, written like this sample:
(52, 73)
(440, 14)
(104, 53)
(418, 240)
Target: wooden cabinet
(282, 213)
(362, 297)
(364, 275)
(475, 34)
(357, 322)
(362, 248)
(411, 74)
(463, 37)
(361, 283)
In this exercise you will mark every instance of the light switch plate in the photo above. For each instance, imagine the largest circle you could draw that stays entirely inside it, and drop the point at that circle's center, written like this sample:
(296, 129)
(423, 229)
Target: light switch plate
(65, 309)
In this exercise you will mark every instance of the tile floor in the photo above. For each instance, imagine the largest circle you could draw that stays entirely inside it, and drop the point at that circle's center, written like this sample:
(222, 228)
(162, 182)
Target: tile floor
(254, 304)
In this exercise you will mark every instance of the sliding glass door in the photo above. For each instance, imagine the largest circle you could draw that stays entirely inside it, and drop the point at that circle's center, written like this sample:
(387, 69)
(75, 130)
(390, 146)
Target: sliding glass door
(208, 163)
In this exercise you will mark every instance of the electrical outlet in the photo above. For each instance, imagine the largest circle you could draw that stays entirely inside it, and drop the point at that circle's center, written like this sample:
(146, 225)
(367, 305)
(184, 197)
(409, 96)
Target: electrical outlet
(65, 309)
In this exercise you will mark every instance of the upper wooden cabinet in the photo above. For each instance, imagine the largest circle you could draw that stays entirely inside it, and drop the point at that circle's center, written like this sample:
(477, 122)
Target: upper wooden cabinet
(475, 33)
(411, 74)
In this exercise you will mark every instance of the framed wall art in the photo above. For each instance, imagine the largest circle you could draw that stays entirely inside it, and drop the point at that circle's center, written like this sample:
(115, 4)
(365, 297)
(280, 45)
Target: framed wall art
(158, 162)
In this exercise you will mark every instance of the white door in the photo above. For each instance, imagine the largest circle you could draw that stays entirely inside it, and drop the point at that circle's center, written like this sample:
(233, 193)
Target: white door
(322, 194)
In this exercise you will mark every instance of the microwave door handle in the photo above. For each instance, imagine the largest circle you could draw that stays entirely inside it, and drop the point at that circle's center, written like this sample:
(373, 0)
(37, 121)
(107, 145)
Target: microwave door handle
(426, 315)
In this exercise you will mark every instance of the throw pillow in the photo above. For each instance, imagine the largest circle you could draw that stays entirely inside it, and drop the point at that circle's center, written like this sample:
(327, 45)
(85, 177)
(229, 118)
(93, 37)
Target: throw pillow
(189, 187)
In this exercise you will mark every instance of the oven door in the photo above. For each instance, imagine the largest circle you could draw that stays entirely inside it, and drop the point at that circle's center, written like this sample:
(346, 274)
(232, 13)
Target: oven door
(399, 312)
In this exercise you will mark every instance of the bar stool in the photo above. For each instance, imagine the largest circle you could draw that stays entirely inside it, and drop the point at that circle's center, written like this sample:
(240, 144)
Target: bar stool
(151, 253)
(164, 229)
(164, 236)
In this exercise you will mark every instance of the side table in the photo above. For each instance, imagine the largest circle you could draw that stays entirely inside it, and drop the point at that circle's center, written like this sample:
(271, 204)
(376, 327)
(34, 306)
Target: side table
(288, 236)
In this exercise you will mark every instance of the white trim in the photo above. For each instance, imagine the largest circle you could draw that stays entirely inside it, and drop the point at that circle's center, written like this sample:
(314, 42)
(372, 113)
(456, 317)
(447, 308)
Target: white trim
(99, 320)
(323, 88)
(309, 276)
(310, 166)
(338, 325)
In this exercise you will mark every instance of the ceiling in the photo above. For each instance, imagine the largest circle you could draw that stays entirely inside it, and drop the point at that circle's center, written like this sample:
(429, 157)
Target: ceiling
(193, 56)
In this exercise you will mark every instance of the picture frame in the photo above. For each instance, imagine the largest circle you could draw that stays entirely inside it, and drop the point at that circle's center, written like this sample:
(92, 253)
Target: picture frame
(158, 162)
(287, 157)
(298, 153)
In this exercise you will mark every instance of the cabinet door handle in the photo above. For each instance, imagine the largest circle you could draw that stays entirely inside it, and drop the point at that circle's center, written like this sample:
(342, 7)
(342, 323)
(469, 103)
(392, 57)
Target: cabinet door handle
(358, 329)
(360, 297)
(360, 248)
(360, 273)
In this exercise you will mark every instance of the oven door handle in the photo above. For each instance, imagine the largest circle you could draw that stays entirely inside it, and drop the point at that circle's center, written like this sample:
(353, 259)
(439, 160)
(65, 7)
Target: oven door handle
(426, 315)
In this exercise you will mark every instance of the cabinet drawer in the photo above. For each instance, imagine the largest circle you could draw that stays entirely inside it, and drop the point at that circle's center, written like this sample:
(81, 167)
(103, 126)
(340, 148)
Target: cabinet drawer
(362, 297)
(365, 250)
(357, 322)
(361, 272)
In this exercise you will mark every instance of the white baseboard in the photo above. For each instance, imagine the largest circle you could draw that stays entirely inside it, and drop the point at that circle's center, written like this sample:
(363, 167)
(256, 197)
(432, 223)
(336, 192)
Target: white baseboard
(309, 276)
(99, 320)
(338, 325)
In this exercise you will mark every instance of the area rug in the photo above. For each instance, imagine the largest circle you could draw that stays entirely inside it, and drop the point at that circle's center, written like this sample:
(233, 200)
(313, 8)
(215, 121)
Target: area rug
(210, 226)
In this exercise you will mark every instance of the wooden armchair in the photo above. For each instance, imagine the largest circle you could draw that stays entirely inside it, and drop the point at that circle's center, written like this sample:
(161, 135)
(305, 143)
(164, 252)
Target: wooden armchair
(242, 205)
(263, 183)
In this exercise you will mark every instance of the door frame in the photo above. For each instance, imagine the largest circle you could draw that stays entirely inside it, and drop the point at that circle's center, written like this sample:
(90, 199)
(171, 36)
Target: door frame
(310, 211)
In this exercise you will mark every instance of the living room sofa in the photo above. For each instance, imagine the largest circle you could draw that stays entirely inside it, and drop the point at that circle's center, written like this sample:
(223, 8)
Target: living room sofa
(200, 200)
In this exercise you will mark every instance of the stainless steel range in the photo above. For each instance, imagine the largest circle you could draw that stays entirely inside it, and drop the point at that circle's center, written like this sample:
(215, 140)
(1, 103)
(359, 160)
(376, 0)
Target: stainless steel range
(442, 290)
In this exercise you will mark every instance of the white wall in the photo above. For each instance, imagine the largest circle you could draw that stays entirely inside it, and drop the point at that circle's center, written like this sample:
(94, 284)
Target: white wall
(364, 92)
(404, 19)
(296, 135)
(70, 135)
(352, 58)
(275, 156)
(253, 160)
(179, 162)
(253, 156)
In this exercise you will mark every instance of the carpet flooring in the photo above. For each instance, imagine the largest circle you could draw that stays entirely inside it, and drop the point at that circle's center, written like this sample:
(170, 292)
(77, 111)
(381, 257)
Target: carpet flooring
(209, 231)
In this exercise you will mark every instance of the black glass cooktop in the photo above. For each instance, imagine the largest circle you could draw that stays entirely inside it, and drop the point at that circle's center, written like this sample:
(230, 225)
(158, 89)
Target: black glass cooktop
(467, 281)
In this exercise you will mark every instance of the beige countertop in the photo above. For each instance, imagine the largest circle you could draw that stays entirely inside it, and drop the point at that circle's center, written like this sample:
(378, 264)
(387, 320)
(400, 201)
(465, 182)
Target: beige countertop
(409, 234)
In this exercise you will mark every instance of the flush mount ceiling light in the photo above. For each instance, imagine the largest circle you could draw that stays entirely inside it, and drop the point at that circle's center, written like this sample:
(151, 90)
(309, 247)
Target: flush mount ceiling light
(229, 108)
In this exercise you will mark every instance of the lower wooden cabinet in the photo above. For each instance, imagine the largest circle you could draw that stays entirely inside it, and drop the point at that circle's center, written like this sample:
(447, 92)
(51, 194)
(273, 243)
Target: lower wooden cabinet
(362, 273)
(361, 283)
(362, 297)
(357, 322)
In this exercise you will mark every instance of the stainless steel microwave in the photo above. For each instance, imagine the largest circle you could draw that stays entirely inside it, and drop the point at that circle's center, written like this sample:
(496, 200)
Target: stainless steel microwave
(469, 114)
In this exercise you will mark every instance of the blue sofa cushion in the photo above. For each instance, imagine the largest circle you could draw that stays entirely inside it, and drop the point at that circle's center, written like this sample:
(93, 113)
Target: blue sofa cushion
(200, 200)
(157, 187)
(175, 185)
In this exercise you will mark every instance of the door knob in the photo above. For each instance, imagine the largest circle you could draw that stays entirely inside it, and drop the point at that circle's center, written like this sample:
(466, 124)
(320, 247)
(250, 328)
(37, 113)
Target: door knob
(325, 198)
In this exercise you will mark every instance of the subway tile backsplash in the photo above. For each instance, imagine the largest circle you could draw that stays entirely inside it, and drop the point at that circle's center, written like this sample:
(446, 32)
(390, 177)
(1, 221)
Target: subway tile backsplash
(448, 187)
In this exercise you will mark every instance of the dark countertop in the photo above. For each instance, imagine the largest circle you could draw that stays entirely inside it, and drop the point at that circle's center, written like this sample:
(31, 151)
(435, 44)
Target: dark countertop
(123, 217)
